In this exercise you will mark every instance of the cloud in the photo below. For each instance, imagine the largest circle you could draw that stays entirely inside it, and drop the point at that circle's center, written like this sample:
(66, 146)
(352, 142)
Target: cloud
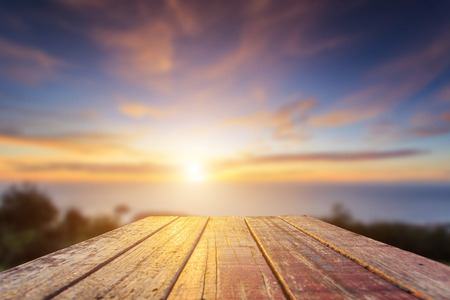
(443, 95)
(422, 125)
(118, 168)
(420, 65)
(446, 116)
(137, 110)
(25, 125)
(186, 16)
(392, 83)
(26, 64)
(177, 46)
(259, 93)
(85, 143)
(282, 121)
(426, 131)
(357, 156)
(365, 104)
(144, 54)
(272, 33)
(345, 116)
(215, 168)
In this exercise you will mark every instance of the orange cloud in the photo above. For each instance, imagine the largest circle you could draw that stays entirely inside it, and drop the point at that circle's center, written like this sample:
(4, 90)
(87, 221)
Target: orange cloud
(318, 165)
(185, 15)
(446, 116)
(269, 23)
(119, 168)
(346, 116)
(144, 54)
(86, 143)
(138, 110)
(282, 121)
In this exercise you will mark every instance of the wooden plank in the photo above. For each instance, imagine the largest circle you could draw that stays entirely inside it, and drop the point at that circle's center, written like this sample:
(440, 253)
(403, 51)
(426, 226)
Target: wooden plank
(42, 276)
(423, 277)
(226, 264)
(310, 270)
(149, 270)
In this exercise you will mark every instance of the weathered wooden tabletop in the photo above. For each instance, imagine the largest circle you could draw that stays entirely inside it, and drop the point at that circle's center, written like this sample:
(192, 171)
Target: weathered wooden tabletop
(228, 258)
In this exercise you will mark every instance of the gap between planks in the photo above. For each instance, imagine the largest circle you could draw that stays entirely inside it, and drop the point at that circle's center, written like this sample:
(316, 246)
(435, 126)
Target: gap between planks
(363, 264)
(101, 265)
(186, 259)
(284, 286)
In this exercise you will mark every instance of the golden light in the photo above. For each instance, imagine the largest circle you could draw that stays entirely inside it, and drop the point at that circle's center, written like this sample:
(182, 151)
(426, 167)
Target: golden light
(195, 172)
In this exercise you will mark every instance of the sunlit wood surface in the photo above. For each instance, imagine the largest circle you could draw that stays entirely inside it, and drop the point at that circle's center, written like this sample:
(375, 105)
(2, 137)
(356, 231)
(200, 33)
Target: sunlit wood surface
(294, 257)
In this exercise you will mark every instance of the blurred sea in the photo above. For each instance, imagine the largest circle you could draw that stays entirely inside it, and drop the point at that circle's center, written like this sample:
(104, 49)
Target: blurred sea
(408, 202)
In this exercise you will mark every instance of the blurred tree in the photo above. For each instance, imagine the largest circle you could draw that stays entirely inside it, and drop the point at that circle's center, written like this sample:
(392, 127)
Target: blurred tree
(101, 224)
(121, 209)
(25, 216)
(433, 243)
(340, 215)
(25, 207)
(74, 226)
(29, 227)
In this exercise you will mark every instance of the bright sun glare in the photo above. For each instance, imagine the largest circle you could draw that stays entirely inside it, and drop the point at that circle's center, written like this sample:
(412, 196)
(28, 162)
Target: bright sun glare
(195, 172)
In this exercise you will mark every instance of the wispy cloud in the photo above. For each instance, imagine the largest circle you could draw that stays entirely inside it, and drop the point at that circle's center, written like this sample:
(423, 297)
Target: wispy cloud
(242, 165)
(391, 83)
(311, 165)
(426, 131)
(118, 168)
(443, 95)
(83, 143)
(138, 110)
(282, 121)
(420, 126)
(285, 24)
(322, 156)
(206, 80)
(187, 16)
(446, 116)
(164, 43)
(143, 54)
(346, 116)
(27, 64)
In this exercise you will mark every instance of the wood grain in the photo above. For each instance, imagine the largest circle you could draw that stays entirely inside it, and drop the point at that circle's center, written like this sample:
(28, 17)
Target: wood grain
(295, 257)
(227, 264)
(45, 275)
(423, 277)
(310, 270)
(146, 271)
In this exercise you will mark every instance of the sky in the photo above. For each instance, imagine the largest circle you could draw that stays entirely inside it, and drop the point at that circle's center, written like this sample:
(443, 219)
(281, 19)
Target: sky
(340, 91)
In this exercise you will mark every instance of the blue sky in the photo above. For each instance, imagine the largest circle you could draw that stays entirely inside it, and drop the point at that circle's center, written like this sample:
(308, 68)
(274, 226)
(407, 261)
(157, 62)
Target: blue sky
(254, 90)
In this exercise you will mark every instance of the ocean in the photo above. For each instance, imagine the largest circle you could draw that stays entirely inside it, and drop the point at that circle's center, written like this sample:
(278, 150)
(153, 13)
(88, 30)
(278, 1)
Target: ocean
(421, 203)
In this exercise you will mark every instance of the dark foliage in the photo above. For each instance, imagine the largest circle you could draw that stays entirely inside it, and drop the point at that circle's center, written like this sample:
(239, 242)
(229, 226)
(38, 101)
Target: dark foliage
(429, 241)
(30, 228)
(25, 207)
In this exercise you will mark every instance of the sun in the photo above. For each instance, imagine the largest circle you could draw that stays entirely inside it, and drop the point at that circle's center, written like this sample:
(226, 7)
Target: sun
(195, 172)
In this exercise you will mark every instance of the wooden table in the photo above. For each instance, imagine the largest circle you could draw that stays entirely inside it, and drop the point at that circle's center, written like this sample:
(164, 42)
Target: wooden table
(228, 258)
